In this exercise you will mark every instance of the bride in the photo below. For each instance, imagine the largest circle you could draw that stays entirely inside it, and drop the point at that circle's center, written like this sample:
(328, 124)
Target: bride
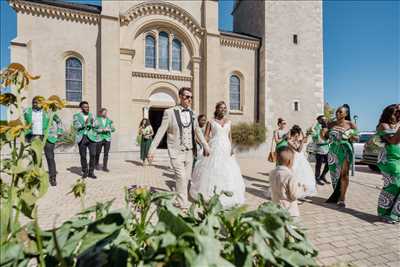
(220, 171)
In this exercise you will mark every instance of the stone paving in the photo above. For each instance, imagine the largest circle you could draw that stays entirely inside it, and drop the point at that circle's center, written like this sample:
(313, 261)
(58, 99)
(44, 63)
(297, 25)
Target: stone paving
(351, 235)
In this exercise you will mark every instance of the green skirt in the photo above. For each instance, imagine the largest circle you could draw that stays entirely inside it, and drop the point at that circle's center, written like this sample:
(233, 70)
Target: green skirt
(389, 198)
(144, 148)
(339, 152)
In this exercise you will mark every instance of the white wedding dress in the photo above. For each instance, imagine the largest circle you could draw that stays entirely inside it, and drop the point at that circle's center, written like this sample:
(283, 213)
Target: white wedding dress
(304, 173)
(219, 171)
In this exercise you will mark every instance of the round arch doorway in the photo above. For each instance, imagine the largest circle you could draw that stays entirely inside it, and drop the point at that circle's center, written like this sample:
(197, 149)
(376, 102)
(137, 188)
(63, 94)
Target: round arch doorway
(160, 99)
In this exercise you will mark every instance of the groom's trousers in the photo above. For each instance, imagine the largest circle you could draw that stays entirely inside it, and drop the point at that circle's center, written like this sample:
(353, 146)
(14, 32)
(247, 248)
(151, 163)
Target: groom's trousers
(182, 166)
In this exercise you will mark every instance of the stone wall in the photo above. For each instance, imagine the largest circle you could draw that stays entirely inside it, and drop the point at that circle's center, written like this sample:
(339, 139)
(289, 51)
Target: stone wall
(44, 43)
(288, 72)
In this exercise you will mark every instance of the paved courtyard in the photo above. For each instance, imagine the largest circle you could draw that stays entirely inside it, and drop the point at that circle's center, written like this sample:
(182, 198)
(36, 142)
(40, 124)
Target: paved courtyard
(351, 235)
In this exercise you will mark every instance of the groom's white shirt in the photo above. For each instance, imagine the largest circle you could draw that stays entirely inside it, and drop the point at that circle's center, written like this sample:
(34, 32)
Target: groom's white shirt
(170, 126)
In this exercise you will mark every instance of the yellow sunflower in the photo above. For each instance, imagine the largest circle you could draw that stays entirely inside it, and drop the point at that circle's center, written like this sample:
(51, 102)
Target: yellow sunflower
(7, 99)
(15, 128)
(53, 103)
(16, 74)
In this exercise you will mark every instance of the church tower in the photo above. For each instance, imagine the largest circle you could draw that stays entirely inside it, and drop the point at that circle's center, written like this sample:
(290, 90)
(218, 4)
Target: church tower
(291, 57)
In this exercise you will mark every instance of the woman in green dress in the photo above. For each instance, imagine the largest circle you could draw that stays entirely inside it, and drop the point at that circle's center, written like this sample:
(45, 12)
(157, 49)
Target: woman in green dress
(146, 137)
(389, 164)
(341, 133)
(280, 134)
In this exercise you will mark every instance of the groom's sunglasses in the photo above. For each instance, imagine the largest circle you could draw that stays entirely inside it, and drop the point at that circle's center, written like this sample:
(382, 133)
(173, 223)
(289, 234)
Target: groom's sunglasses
(187, 97)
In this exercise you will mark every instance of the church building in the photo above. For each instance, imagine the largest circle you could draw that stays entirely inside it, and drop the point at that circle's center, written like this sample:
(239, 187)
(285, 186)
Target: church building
(132, 57)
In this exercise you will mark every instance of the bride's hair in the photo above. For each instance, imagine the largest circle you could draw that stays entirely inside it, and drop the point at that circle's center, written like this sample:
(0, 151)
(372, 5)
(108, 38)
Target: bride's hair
(220, 103)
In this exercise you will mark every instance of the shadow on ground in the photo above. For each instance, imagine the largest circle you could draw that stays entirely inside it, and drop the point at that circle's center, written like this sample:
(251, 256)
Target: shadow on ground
(365, 169)
(75, 170)
(140, 164)
(252, 179)
(371, 218)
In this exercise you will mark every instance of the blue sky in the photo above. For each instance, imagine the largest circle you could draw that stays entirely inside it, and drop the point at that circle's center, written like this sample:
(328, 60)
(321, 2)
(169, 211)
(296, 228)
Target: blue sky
(361, 52)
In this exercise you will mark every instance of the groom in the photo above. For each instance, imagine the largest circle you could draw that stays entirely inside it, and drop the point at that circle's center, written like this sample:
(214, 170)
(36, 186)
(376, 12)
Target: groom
(181, 126)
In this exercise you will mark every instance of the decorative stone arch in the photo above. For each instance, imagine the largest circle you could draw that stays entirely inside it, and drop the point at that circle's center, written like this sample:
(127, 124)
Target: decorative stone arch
(145, 24)
(162, 94)
(164, 9)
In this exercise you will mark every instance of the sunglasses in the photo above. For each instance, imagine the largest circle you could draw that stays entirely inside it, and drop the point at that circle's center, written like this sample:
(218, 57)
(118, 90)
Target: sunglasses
(187, 97)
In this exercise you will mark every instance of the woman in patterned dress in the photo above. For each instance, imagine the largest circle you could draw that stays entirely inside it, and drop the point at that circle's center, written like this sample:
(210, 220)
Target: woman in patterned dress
(389, 164)
(341, 133)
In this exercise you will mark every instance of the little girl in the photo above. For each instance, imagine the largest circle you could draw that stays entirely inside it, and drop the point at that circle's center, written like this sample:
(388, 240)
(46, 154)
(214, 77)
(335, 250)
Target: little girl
(301, 167)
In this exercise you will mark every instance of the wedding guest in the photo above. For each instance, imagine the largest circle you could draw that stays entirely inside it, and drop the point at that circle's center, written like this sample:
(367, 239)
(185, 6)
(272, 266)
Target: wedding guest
(389, 164)
(321, 150)
(146, 134)
(279, 135)
(86, 138)
(104, 128)
(202, 121)
(39, 121)
(341, 132)
(285, 187)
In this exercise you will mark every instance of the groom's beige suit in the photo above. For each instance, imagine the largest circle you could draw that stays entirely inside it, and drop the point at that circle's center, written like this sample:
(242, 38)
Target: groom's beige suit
(180, 125)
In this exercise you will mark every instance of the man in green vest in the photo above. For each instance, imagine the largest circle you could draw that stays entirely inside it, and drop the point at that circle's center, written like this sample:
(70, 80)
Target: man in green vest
(86, 138)
(321, 150)
(104, 128)
(38, 119)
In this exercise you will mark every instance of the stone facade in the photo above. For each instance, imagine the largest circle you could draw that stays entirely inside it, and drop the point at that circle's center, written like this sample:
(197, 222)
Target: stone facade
(290, 70)
(110, 42)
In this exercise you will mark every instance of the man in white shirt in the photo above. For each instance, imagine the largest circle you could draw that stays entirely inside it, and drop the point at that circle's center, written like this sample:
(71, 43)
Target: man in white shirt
(38, 119)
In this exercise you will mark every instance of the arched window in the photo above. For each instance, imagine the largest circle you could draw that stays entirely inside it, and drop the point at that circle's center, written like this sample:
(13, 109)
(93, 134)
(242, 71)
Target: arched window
(73, 79)
(176, 55)
(234, 92)
(163, 51)
(150, 52)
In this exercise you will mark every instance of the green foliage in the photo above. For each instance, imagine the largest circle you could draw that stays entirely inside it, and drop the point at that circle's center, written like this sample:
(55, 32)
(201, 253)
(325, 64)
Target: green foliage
(68, 137)
(207, 235)
(23, 179)
(329, 111)
(248, 135)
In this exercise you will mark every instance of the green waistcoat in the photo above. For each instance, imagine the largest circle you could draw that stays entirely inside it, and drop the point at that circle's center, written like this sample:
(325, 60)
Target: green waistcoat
(321, 145)
(28, 120)
(53, 131)
(104, 130)
(83, 129)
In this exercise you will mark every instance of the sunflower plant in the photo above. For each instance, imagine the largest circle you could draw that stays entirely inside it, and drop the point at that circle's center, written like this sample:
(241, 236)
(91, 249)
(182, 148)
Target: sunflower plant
(23, 179)
(150, 231)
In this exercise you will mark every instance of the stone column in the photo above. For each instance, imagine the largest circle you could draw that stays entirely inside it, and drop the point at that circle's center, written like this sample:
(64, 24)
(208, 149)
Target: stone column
(171, 37)
(110, 68)
(196, 84)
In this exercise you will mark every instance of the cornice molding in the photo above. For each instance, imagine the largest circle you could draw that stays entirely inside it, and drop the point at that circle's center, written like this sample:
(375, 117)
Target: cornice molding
(166, 9)
(109, 17)
(239, 43)
(43, 10)
(161, 76)
(21, 44)
(127, 51)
